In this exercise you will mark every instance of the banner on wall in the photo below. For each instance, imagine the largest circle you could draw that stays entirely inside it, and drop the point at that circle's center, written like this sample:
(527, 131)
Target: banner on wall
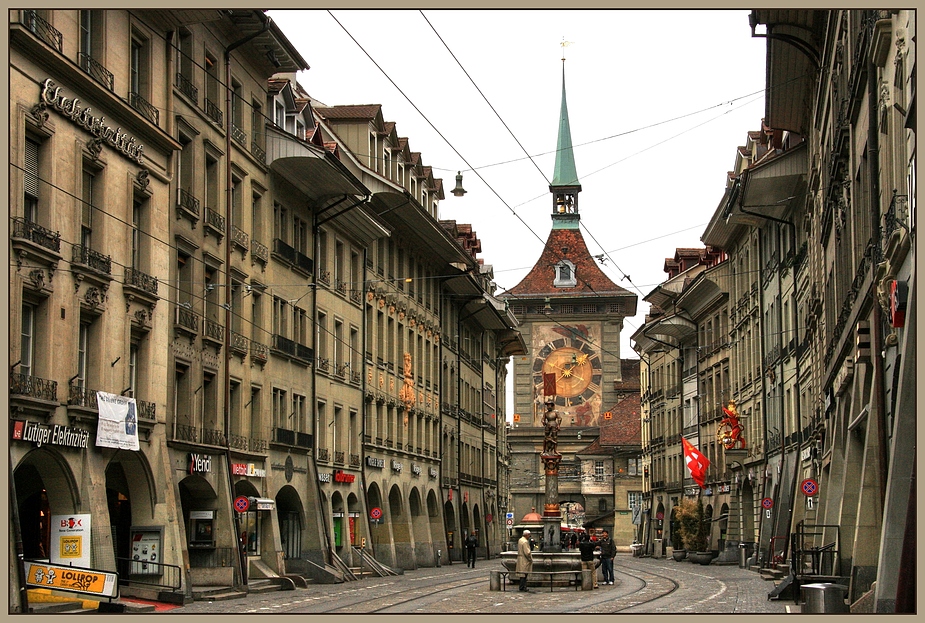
(118, 422)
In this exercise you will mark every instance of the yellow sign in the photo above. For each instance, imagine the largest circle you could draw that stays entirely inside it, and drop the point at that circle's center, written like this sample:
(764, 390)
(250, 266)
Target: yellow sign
(608, 415)
(70, 546)
(516, 417)
(74, 579)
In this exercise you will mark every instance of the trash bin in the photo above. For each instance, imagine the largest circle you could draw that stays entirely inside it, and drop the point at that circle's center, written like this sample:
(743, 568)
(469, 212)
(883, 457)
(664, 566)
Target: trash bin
(743, 555)
(637, 550)
(824, 598)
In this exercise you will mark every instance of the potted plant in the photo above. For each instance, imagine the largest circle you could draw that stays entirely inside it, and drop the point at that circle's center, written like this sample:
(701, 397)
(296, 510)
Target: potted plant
(677, 544)
(694, 531)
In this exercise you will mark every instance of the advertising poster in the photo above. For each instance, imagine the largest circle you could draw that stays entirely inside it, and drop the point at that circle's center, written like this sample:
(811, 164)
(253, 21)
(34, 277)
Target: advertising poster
(70, 540)
(118, 423)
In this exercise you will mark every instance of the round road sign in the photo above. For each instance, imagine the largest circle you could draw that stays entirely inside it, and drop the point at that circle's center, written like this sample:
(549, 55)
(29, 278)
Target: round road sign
(809, 487)
(241, 503)
(510, 522)
(375, 513)
(767, 503)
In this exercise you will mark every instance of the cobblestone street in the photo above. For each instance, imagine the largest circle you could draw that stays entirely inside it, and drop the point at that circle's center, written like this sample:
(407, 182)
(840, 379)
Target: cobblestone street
(644, 585)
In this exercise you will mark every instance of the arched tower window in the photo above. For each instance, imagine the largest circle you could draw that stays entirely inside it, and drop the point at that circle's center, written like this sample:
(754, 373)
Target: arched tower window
(565, 275)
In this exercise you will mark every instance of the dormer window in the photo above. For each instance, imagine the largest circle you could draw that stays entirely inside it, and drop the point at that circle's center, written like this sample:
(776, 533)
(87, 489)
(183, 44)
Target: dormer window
(565, 275)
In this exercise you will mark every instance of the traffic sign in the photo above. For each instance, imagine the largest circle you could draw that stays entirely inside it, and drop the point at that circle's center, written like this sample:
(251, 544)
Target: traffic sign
(509, 515)
(488, 518)
(767, 503)
(375, 513)
(809, 487)
(510, 521)
(241, 503)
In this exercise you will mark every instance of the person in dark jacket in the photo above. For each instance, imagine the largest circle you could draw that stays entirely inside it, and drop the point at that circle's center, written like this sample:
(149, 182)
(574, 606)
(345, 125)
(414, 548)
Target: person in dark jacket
(586, 547)
(608, 552)
(471, 543)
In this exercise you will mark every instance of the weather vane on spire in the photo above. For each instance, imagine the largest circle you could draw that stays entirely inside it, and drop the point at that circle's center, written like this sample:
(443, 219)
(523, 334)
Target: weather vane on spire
(564, 45)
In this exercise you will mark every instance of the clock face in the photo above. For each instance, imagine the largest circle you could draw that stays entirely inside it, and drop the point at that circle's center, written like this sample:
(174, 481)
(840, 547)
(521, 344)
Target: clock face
(577, 368)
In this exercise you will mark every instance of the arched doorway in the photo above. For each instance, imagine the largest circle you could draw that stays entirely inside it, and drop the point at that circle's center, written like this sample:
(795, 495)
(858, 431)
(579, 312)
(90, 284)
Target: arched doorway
(340, 534)
(130, 500)
(452, 531)
(290, 513)
(45, 486)
(708, 519)
(723, 526)
(401, 530)
(424, 554)
(477, 526)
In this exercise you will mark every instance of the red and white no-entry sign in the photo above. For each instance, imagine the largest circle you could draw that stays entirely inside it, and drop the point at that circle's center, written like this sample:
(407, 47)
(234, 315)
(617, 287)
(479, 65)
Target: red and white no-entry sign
(767, 503)
(241, 503)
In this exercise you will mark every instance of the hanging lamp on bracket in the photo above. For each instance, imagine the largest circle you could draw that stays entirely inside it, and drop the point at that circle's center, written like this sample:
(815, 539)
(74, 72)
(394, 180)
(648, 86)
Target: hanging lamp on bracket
(459, 191)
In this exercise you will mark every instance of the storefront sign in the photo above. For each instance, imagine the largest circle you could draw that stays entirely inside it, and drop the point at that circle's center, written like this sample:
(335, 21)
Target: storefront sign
(324, 477)
(121, 142)
(396, 466)
(72, 579)
(265, 504)
(433, 472)
(56, 435)
(372, 461)
(200, 463)
(70, 540)
(117, 425)
(202, 514)
(248, 469)
(722, 488)
(416, 469)
(341, 476)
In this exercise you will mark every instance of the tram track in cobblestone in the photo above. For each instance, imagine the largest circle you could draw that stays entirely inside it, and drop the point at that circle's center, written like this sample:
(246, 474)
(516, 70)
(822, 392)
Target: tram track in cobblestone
(654, 586)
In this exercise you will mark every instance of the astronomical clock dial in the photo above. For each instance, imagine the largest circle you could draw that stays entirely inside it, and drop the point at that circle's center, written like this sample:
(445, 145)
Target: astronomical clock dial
(576, 366)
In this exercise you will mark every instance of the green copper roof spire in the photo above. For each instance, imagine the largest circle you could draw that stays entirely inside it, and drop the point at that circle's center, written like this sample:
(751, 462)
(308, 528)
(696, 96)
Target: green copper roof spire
(565, 173)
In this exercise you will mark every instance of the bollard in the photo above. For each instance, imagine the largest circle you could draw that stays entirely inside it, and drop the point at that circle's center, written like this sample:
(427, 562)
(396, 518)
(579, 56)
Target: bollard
(587, 580)
(494, 581)
(439, 554)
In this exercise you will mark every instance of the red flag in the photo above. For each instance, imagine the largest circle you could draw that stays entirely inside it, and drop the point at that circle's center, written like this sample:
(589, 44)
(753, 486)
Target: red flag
(549, 383)
(697, 463)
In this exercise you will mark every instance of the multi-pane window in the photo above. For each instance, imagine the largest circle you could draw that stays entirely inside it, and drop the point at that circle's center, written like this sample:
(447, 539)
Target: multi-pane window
(256, 216)
(299, 235)
(298, 416)
(321, 336)
(138, 79)
(280, 114)
(132, 370)
(280, 409)
(137, 215)
(86, 207)
(279, 316)
(598, 471)
(212, 182)
(337, 356)
(83, 345)
(280, 222)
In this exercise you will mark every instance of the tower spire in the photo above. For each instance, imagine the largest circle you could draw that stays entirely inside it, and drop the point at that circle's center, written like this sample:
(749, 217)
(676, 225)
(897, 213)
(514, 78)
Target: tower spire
(565, 186)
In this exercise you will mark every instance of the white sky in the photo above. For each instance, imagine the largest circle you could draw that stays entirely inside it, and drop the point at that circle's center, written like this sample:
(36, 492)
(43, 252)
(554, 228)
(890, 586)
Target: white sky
(645, 190)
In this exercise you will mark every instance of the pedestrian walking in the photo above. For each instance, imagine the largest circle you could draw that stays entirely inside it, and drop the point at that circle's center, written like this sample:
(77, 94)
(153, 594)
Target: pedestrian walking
(471, 543)
(608, 552)
(586, 546)
(524, 560)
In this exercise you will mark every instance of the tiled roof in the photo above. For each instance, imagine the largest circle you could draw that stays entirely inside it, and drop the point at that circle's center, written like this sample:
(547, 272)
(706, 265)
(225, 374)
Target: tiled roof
(358, 111)
(591, 280)
(624, 428)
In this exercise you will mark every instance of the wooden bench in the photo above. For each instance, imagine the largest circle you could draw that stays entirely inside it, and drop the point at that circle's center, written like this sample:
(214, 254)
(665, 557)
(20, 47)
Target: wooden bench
(573, 577)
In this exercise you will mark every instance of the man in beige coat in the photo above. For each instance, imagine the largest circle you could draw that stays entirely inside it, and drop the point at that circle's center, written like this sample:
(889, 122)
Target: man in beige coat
(524, 560)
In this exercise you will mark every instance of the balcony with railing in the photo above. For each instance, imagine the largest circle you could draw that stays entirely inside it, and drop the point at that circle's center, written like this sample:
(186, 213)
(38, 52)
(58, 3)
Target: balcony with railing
(258, 151)
(96, 70)
(140, 282)
(259, 252)
(239, 136)
(341, 286)
(214, 223)
(323, 454)
(259, 352)
(186, 320)
(239, 238)
(324, 276)
(286, 437)
(185, 85)
(142, 105)
(213, 332)
(33, 394)
(238, 343)
(94, 260)
(38, 241)
(339, 457)
(42, 29)
(213, 111)
(187, 206)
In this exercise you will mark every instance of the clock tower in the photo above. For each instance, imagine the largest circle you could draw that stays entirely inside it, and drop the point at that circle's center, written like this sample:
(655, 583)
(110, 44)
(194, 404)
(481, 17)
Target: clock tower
(570, 316)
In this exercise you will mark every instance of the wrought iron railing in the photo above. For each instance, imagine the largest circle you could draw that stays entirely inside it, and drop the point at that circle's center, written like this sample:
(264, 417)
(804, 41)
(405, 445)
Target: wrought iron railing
(140, 280)
(239, 237)
(354, 460)
(86, 256)
(42, 29)
(213, 437)
(257, 151)
(238, 135)
(213, 111)
(146, 410)
(283, 345)
(145, 573)
(216, 221)
(238, 342)
(341, 286)
(324, 276)
(96, 70)
(142, 105)
(283, 250)
(259, 352)
(185, 432)
(260, 251)
(188, 319)
(188, 202)
(339, 457)
(37, 234)
(213, 330)
(80, 396)
(33, 387)
(186, 88)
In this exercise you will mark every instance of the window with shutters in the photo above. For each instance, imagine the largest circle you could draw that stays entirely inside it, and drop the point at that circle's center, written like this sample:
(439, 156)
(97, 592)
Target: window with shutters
(31, 181)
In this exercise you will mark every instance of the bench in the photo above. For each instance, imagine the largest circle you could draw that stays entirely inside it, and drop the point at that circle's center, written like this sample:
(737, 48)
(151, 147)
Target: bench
(573, 577)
